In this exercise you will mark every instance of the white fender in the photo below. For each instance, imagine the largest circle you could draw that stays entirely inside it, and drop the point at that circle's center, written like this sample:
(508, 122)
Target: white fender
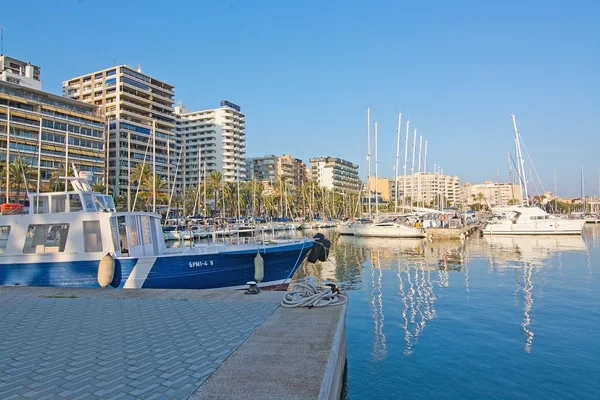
(106, 270)
(259, 268)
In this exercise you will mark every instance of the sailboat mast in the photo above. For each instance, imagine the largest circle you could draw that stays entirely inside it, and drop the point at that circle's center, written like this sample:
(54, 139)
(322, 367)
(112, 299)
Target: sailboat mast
(204, 187)
(583, 190)
(555, 195)
(510, 177)
(425, 158)
(129, 170)
(520, 165)
(154, 166)
(405, 161)
(376, 177)
(39, 157)
(397, 159)
(412, 169)
(67, 159)
(419, 177)
(368, 157)
(7, 153)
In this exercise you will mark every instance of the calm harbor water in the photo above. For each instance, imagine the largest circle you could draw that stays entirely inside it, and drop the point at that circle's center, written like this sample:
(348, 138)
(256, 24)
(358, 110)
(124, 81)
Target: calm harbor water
(501, 317)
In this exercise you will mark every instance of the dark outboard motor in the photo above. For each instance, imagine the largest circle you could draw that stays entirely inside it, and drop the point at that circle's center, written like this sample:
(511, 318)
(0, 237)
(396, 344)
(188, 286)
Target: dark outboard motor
(320, 250)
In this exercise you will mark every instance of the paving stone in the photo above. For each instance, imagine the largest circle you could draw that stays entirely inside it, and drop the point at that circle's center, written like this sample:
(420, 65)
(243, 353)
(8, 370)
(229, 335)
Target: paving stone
(158, 349)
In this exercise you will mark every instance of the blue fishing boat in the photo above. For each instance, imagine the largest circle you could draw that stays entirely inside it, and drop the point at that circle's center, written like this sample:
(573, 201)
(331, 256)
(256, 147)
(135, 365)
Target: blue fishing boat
(78, 239)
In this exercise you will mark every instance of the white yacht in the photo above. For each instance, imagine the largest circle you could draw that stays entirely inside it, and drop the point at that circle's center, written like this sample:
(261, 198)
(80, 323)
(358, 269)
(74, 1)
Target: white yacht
(523, 220)
(388, 229)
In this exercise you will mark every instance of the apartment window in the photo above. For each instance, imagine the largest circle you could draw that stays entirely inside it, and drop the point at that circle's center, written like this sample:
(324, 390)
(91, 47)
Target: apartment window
(49, 238)
(92, 235)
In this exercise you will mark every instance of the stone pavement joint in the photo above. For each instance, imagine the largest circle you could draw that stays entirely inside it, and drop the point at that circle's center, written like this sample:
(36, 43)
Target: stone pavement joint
(112, 344)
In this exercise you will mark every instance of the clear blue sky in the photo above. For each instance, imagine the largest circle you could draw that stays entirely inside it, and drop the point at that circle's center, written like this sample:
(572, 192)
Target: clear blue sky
(305, 71)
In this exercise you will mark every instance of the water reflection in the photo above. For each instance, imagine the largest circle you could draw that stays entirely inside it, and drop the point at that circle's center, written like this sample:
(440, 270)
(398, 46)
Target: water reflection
(422, 268)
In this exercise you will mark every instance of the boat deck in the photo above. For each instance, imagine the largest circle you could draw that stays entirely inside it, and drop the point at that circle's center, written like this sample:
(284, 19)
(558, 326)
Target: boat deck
(165, 343)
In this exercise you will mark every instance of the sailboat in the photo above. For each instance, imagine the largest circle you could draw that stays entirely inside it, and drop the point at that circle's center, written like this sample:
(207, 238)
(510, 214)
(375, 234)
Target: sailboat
(390, 228)
(527, 219)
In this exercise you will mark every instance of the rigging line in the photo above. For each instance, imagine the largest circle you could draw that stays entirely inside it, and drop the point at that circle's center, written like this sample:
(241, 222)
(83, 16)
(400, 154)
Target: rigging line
(137, 190)
(531, 162)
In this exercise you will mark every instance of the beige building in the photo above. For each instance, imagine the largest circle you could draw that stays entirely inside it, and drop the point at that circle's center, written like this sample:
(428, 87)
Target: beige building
(48, 130)
(426, 188)
(135, 105)
(270, 167)
(383, 187)
(497, 194)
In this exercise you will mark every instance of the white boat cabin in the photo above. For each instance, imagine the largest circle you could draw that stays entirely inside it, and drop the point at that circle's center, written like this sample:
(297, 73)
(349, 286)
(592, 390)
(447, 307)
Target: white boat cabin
(81, 223)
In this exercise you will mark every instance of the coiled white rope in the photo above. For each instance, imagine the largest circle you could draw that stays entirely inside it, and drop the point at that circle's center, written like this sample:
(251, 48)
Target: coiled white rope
(306, 293)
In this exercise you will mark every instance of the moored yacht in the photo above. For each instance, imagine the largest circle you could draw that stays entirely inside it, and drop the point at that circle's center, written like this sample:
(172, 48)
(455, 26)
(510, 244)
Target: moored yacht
(524, 220)
(78, 239)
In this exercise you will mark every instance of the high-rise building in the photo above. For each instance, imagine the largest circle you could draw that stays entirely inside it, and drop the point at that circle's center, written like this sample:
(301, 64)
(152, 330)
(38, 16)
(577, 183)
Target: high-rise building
(220, 135)
(70, 131)
(497, 194)
(270, 167)
(136, 105)
(20, 73)
(335, 173)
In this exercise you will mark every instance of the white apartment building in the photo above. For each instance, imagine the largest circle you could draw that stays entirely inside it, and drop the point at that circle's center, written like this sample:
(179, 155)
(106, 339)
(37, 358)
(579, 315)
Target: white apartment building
(427, 188)
(20, 73)
(211, 140)
(136, 105)
(335, 173)
(497, 194)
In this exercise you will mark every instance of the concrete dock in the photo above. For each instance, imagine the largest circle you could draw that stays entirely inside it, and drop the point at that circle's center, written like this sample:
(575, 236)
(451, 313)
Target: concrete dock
(451, 233)
(166, 344)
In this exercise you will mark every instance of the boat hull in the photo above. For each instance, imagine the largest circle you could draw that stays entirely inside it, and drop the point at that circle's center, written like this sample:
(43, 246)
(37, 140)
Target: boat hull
(389, 232)
(230, 269)
(566, 227)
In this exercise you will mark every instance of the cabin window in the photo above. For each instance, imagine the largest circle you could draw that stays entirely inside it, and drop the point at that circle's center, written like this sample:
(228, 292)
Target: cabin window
(40, 205)
(89, 203)
(146, 231)
(75, 203)
(132, 231)
(92, 235)
(4, 232)
(50, 238)
(58, 203)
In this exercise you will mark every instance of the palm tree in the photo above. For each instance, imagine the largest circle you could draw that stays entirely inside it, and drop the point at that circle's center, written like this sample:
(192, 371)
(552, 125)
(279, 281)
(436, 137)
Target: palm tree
(141, 174)
(20, 172)
(157, 190)
(214, 185)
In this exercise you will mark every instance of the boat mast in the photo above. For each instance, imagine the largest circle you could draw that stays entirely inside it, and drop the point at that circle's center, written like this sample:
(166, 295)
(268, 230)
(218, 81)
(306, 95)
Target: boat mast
(583, 190)
(424, 168)
(510, 177)
(128, 170)
(204, 187)
(368, 157)
(520, 165)
(397, 159)
(238, 191)
(405, 161)
(39, 158)
(419, 177)
(66, 159)
(376, 178)
(412, 169)
(554, 173)
(154, 166)
(7, 153)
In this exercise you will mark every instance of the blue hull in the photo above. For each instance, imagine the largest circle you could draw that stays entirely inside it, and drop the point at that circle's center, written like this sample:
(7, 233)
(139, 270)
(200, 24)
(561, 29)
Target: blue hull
(189, 271)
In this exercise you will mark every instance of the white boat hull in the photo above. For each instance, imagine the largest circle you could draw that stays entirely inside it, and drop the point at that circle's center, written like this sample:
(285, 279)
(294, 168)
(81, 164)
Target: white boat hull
(395, 231)
(550, 227)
